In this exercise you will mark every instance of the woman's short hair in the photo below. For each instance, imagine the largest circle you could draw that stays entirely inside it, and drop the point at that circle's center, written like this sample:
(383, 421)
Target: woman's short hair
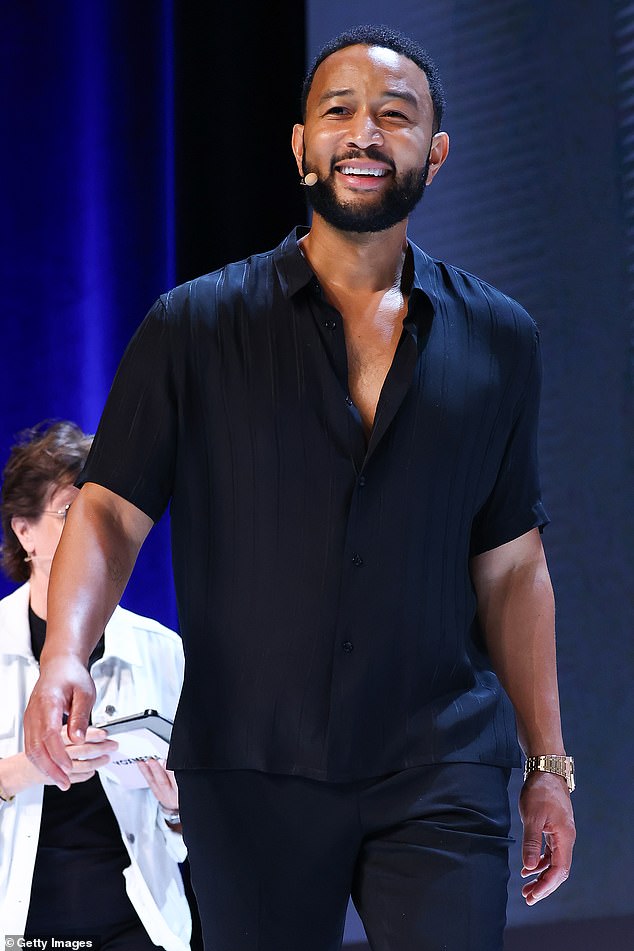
(45, 455)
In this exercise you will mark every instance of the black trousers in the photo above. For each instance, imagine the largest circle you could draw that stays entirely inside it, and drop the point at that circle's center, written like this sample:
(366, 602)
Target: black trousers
(423, 852)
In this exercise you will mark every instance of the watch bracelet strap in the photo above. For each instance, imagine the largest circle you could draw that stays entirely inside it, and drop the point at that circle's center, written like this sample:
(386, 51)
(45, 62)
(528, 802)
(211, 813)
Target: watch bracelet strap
(3, 795)
(560, 765)
(171, 816)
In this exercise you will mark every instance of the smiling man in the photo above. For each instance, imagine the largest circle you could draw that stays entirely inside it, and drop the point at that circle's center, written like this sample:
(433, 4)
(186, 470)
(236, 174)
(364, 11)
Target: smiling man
(406, 119)
(346, 431)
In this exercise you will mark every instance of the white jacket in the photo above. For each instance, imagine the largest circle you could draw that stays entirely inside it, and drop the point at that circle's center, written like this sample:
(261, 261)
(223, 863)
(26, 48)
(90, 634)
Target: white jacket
(142, 667)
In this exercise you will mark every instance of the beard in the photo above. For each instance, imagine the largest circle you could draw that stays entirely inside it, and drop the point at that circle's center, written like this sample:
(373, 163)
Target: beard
(395, 204)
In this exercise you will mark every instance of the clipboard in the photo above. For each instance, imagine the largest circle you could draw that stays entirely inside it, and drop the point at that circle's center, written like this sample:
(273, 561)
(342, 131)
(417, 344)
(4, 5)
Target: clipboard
(141, 736)
(147, 720)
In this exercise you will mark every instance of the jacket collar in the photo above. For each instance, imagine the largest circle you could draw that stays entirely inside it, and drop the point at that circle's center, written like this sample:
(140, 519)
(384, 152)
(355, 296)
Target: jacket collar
(119, 640)
(15, 634)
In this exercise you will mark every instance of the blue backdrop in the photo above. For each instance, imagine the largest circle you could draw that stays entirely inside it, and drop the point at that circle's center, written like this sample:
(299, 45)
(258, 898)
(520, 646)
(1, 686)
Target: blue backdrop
(136, 139)
(88, 215)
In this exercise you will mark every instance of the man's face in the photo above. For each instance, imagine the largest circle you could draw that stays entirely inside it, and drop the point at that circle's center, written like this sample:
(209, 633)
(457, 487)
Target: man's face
(367, 135)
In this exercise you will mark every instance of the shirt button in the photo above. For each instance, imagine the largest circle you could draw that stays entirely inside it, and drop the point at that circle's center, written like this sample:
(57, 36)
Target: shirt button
(357, 560)
(362, 480)
(130, 837)
(330, 324)
(348, 647)
(110, 709)
(349, 400)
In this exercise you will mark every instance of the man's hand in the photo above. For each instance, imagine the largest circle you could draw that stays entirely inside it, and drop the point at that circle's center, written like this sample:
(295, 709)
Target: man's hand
(546, 812)
(65, 686)
(86, 758)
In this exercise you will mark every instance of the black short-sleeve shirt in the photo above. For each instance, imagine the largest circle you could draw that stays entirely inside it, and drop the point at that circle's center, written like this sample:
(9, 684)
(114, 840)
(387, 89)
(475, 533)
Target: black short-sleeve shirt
(323, 586)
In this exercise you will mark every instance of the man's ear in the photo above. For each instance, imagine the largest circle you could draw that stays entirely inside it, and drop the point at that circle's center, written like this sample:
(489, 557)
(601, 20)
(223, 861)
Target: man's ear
(437, 154)
(297, 143)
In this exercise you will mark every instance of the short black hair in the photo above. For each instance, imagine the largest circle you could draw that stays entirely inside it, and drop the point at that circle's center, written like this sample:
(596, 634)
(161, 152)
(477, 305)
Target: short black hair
(385, 37)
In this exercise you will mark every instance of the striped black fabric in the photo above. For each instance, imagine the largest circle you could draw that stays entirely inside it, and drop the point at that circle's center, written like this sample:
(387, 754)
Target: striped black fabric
(323, 585)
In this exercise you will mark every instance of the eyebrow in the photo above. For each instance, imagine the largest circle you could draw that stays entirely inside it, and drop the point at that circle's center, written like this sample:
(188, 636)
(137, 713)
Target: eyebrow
(333, 93)
(388, 94)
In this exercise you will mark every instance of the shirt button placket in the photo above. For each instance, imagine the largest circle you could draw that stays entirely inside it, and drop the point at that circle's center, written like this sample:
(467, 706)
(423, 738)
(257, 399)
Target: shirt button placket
(351, 643)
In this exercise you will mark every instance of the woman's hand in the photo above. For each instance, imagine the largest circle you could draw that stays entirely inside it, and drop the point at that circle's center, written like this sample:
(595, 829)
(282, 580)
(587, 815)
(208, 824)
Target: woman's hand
(162, 783)
(89, 756)
(18, 773)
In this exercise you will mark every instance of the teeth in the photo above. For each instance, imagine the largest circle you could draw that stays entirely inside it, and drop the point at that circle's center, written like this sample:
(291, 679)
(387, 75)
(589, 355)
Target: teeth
(350, 170)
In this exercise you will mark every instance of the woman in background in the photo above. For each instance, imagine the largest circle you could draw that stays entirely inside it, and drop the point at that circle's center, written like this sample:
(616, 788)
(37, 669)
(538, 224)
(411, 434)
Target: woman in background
(119, 846)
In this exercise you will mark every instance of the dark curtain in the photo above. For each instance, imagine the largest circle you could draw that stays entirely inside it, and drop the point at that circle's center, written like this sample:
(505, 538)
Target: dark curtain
(143, 143)
(238, 72)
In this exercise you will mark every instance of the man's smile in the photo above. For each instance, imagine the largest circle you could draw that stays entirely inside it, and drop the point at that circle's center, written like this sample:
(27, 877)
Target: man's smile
(350, 170)
(362, 174)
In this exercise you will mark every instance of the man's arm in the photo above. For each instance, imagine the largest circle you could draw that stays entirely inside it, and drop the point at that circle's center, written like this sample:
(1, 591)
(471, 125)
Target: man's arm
(93, 562)
(517, 615)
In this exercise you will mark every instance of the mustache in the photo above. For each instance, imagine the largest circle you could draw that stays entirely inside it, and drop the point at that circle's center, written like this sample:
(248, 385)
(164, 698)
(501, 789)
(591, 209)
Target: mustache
(372, 153)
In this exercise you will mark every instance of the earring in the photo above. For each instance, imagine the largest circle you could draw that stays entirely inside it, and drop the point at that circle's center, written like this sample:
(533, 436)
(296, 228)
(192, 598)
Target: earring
(30, 556)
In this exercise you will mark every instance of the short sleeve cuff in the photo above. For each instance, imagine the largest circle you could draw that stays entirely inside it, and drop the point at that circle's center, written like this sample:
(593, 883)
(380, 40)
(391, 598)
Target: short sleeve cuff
(513, 528)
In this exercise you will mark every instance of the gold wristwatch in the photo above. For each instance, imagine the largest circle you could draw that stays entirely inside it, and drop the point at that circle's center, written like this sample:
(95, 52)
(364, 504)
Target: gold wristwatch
(560, 765)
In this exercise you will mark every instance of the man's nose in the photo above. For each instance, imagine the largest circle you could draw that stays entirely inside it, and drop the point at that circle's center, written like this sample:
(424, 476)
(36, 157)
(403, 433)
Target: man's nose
(364, 131)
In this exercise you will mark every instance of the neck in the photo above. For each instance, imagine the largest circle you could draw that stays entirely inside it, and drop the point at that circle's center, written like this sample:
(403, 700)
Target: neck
(38, 593)
(367, 262)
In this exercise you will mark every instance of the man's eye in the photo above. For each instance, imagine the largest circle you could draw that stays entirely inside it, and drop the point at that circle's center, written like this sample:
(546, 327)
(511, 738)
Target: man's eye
(393, 114)
(336, 111)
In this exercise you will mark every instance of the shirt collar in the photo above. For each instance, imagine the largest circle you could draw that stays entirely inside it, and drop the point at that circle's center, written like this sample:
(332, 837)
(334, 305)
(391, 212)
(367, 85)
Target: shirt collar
(426, 275)
(294, 271)
(423, 296)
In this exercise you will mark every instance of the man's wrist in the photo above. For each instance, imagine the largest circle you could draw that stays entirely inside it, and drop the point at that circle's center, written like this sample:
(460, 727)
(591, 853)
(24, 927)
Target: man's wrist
(558, 764)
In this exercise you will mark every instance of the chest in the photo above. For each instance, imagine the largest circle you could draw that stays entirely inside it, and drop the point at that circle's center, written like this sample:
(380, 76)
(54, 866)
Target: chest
(371, 340)
(282, 392)
(369, 361)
